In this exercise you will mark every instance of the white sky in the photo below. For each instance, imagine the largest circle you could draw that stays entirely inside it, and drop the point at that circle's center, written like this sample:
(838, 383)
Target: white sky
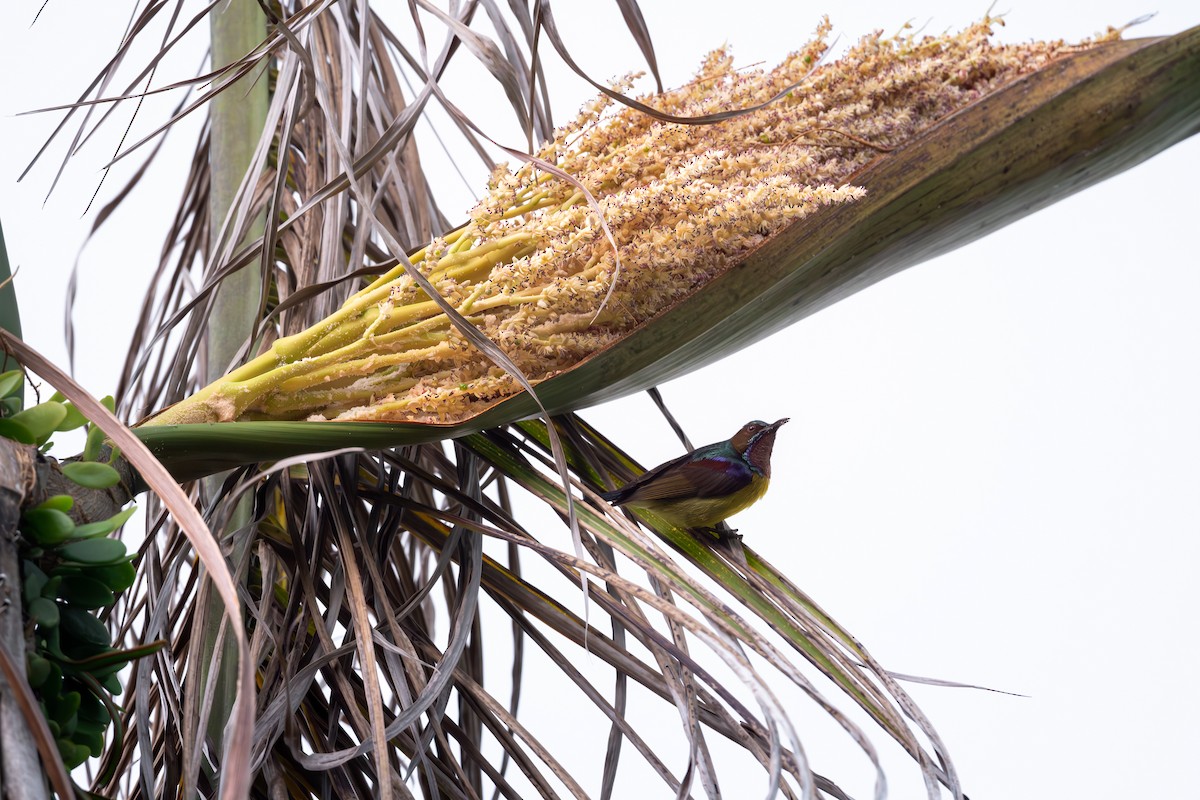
(992, 467)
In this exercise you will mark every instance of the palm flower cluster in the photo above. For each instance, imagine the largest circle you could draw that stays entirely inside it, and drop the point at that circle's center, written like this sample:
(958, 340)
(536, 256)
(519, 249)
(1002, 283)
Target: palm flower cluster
(535, 268)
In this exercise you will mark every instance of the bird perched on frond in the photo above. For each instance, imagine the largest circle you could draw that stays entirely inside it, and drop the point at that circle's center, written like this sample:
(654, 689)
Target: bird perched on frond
(709, 484)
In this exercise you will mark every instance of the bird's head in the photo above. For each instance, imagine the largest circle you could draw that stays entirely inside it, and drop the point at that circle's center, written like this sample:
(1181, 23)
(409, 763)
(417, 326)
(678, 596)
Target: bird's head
(754, 443)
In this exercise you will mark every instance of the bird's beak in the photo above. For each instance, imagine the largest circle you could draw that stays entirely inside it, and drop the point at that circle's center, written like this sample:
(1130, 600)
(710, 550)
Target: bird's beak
(777, 424)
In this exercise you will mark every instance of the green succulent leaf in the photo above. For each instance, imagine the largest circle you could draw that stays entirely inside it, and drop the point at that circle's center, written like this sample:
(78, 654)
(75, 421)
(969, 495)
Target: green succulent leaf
(74, 419)
(95, 440)
(113, 684)
(37, 670)
(93, 551)
(34, 580)
(59, 502)
(81, 634)
(11, 381)
(63, 708)
(42, 419)
(48, 526)
(54, 681)
(105, 526)
(87, 592)
(10, 428)
(50, 589)
(118, 577)
(92, 474)
(44, 612)
(91, 739)
(92, 710)
(72, 754)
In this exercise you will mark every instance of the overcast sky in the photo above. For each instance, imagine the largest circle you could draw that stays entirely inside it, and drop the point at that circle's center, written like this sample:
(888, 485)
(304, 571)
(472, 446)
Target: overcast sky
(992, 470)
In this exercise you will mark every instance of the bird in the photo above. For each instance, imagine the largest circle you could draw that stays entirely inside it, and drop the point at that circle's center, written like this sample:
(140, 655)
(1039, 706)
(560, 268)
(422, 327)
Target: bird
(709, 484)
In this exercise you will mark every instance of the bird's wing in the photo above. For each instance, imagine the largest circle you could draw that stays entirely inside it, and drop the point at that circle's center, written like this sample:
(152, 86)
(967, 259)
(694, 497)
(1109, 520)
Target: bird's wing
(683, 478)
(627, 492)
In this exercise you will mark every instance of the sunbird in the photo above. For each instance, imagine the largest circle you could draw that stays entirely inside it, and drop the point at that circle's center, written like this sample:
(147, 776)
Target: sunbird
(710, 483)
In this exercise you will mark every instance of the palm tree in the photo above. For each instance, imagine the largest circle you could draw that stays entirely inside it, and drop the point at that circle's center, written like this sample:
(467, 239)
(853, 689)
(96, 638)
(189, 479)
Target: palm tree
(346, 565)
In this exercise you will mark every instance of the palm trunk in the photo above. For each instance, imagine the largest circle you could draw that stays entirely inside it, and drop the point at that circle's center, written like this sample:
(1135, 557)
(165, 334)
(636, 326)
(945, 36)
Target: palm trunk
(238, 116)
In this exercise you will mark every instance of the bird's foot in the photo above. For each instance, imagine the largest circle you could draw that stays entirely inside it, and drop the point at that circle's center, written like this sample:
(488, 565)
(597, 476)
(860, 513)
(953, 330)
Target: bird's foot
(723, 532)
